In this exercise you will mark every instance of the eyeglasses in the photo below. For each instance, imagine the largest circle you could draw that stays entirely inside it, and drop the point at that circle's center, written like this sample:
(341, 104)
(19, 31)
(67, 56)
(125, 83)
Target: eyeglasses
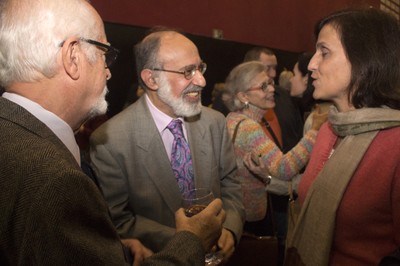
(110, 52)
(188, 72)
(263, 86)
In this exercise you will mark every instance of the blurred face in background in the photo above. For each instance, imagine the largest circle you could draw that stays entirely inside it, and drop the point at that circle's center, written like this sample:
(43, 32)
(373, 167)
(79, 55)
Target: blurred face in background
(298, 82)
(270, 62)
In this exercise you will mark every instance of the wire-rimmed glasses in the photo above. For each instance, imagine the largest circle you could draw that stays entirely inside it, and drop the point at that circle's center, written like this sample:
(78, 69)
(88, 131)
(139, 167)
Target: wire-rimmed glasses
(188, 72)
(263, 86)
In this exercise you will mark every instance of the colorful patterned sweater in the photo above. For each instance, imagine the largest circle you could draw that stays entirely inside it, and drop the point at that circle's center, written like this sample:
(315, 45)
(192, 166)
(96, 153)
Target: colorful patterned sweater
(251, 137)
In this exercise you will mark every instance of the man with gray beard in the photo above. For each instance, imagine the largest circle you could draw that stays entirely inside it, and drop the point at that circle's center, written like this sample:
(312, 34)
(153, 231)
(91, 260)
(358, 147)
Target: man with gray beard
(54, 75)
(131, 152)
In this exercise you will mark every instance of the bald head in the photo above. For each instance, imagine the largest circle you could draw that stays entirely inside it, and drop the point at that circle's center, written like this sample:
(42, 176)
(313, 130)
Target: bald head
(160, 47)
(168, 52)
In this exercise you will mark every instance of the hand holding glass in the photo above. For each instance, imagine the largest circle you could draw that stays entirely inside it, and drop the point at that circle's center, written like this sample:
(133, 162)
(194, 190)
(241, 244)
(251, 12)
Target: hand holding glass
(194, 201)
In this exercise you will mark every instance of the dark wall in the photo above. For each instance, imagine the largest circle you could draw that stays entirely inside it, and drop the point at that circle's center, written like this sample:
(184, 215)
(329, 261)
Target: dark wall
(286, 25)
(280, 24)
(220, 55)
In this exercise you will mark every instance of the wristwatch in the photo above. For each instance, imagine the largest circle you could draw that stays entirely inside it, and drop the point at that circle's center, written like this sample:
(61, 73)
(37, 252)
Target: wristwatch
(267, 180)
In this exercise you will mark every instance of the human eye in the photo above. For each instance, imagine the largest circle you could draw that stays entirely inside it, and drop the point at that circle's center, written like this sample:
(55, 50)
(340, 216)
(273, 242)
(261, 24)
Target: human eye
(264, 86)
(324, 51)
(202, 67)
(189, 71)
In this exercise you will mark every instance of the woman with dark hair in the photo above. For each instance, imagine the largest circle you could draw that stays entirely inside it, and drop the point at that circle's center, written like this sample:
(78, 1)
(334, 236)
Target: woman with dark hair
(301, 85)
(350, 191)
(302, 90)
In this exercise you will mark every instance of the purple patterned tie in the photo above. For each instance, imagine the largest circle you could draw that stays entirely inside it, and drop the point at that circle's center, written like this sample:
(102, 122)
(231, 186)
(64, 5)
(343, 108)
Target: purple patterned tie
(181, 160)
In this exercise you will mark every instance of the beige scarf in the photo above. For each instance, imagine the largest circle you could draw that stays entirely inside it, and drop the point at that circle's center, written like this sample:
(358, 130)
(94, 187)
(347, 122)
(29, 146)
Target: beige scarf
(313, 233)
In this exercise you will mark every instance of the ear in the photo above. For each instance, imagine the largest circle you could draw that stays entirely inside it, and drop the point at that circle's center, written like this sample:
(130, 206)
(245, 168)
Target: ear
(71, 56)
(242, 96)
(305, 80)
(149, 79)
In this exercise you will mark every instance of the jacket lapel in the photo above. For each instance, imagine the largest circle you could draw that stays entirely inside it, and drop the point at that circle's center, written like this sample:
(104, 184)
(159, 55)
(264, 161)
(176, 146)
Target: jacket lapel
(156, 160)
(196, 132)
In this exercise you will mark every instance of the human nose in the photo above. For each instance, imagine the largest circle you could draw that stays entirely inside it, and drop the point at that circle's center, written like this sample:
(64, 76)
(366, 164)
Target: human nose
(271, 88)
(312, 65)
(271, 73)
(198, 79)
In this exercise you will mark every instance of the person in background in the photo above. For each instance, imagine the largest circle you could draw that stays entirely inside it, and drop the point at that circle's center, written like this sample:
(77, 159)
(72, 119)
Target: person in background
(284, 79)
(132, 152)
(252, 94)
(301, 85)
(350, 190)
(54, 61)
(285, 122)
(219, 97)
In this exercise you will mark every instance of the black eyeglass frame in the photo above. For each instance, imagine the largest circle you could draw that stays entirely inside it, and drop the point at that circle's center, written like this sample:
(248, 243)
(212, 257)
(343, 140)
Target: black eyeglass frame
(111, 52)
(188, 72)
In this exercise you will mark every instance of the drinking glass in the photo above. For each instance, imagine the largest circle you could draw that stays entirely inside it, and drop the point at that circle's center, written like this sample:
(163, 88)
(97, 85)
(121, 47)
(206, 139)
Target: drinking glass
(194, 201)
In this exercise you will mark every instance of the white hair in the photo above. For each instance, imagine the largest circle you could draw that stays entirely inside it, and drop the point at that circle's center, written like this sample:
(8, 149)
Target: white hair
(31, 34)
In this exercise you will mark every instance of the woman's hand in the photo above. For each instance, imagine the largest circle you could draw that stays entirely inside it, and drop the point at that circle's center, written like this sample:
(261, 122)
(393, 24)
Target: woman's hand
(255, 164)
(318, 118)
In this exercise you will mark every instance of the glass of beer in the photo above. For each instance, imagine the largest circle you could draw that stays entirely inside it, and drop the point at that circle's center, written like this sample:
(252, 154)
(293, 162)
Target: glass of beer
(194, 201)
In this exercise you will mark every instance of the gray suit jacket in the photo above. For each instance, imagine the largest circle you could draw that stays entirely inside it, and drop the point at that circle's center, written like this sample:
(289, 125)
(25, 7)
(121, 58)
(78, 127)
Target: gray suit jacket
(135, 174)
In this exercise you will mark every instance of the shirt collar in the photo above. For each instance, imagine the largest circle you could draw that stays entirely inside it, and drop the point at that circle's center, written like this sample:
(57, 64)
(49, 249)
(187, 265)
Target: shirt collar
(161, 119)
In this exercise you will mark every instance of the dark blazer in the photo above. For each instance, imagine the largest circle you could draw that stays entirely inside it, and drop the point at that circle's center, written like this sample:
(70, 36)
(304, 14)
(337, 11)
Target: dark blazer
(51, 212)
(135, 173)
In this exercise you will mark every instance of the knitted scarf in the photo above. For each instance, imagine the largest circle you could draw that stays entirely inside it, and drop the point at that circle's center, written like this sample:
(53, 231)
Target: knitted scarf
(313, 233)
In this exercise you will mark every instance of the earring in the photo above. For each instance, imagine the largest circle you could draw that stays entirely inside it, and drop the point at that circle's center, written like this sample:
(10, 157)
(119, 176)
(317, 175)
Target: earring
(246, 104)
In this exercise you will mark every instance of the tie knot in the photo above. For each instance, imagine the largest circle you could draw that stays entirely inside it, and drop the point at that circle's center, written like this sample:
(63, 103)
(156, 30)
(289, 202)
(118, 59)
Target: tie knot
(175, 126)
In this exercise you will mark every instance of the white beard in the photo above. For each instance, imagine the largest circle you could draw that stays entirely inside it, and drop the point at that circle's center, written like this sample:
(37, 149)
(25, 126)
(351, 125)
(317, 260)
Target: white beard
(101, 105)
(178, 104)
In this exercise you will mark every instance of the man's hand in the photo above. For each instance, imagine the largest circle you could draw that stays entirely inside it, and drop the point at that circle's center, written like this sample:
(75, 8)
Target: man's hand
(138, 251)
(226, 244)
(207, 224)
